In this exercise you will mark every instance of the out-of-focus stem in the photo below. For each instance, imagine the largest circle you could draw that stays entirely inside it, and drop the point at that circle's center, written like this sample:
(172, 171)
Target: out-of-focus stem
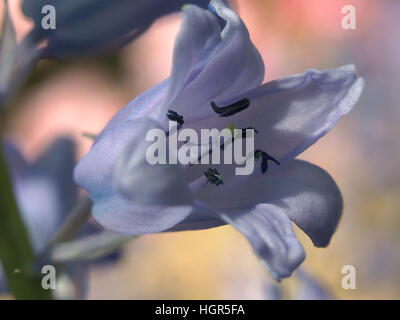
(75, 220)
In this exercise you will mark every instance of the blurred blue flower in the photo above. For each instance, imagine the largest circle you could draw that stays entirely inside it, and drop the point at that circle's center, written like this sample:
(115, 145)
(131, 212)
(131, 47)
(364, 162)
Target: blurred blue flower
(133, 197)
(307, 287)
(85, 27)
(45, 193)
(82, 28)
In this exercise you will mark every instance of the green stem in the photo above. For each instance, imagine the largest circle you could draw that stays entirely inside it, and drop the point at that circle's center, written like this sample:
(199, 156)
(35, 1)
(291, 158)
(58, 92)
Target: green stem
(16, 253)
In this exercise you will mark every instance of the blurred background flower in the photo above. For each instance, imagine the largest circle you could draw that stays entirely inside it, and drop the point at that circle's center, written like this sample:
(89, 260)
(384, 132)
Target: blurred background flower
(87, 27)
(45, 194)
(362, 153)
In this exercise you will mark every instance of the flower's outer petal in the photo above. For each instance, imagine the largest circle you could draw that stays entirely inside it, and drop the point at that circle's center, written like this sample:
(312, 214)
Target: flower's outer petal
(112, 210)
(227, 60)
(145, 105)
(115, 213)
(291, 114)
(305, 192)
(95, 171)
(201, 217)
(199, 34)
(145, 183)
(271, 235)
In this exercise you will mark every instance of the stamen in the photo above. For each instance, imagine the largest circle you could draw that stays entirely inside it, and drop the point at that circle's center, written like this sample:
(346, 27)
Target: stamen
(265, 158)
(174, 116)
(203, 155)
(244, 133)
(89, 135)
(232, 108)
(214, 176)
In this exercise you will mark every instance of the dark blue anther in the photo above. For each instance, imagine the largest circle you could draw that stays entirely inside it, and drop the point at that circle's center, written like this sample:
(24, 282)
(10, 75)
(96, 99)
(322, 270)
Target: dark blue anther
(214, 176)
(265, 157)
(232, 108)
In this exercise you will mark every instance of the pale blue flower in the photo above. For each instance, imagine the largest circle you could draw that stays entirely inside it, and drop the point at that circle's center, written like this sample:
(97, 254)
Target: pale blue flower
(133, 197)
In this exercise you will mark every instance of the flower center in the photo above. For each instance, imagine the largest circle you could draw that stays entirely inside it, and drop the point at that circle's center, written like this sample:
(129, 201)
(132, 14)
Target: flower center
(232, 108)
(212, 174)
(265, 157)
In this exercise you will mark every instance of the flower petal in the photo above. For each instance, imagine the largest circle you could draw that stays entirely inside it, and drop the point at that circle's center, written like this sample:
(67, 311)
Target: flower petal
(95, 171)
(199, 35)
(201, 217)
(305, 192)
(145, 105)
(145, 183)
(204, 55)
(161, 187)
(115, 213)
(270, 233)
(291, 114)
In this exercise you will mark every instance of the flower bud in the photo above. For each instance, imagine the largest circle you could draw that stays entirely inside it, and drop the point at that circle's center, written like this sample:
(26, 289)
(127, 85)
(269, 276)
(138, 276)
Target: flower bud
(93, 27)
